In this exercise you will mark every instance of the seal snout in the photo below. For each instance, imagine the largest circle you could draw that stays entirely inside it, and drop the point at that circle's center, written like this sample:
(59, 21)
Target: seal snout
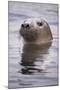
(25, 25)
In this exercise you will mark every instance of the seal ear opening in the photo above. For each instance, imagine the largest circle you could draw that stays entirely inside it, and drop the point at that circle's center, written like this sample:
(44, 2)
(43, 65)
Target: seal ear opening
(39, 23)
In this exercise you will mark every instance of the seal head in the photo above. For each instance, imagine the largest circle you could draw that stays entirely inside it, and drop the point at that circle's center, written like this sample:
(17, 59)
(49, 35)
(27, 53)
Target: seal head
(36, 31)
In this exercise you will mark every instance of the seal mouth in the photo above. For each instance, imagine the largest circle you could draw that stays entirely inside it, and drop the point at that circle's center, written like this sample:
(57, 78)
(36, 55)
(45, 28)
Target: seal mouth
(30, 36)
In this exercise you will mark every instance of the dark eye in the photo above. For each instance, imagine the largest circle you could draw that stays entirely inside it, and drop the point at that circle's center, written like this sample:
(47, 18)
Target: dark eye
(39, 23)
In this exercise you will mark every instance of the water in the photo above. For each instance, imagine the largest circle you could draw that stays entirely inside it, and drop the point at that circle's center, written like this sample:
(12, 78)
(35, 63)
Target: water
(32, 66)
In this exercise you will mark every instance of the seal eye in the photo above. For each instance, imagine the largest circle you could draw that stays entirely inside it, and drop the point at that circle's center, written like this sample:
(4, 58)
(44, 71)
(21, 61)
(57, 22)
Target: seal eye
(39, 23)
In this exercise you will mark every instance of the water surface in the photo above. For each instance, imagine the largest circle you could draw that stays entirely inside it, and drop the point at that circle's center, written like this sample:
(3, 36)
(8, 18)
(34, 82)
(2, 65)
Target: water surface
(31, 66)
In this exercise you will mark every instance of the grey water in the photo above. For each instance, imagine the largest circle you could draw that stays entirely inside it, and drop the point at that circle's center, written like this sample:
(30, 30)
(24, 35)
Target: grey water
(32, 66)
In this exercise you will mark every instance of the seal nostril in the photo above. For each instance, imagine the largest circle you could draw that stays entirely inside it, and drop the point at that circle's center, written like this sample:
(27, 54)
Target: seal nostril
(27, 25)
(22, 25)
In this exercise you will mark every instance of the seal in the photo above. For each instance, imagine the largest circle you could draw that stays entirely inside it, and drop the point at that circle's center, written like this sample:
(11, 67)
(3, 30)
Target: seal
(37, 38)
(36, 31)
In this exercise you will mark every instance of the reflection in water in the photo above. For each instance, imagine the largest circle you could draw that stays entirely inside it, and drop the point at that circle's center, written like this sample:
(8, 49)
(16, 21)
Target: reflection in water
(32, 54)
